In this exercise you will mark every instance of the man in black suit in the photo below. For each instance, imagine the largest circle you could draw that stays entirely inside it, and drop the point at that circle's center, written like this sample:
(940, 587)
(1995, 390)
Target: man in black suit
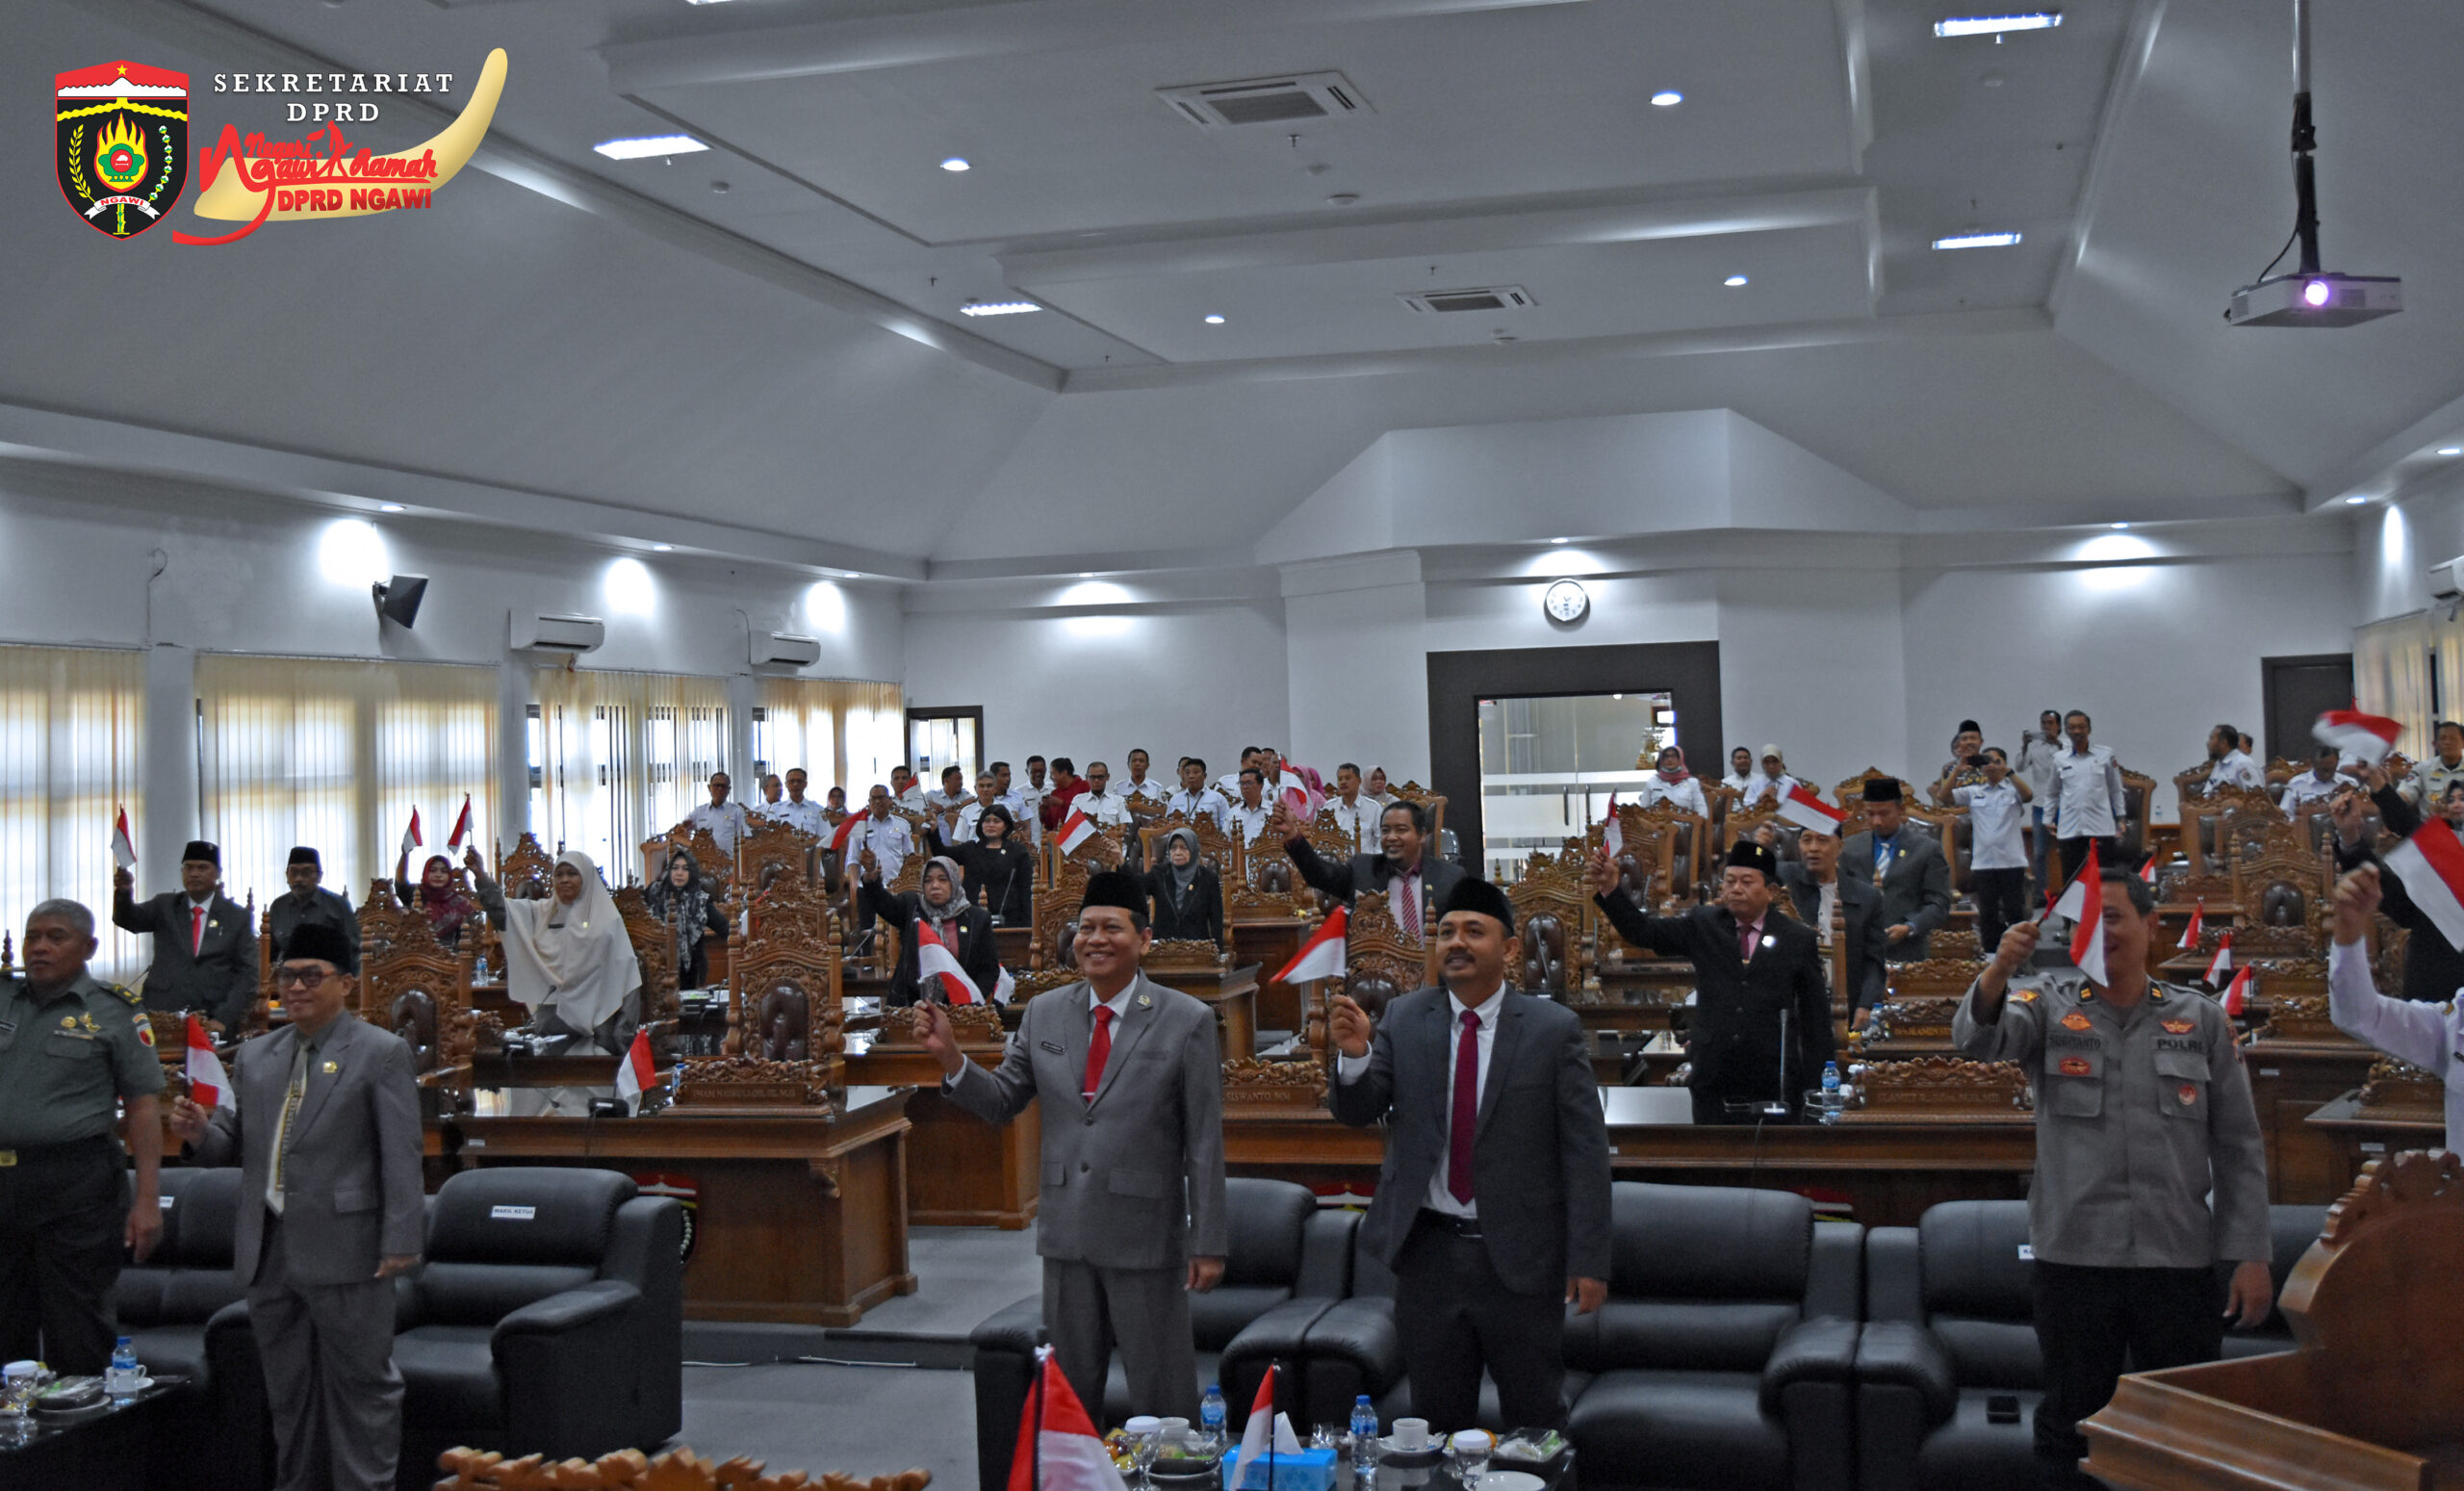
(1492, 1203)
(1905, 865)
(1405, 870)
(307, 903)
(1807, 883)
(205, 951)
(1759, 999)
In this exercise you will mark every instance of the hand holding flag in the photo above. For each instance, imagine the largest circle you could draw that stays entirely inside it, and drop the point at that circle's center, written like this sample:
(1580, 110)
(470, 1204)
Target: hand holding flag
(461, 826)
(209, 1086)
(1808, 811)
(411, 835)
(2431, 865)
(123, 851)
(2364, 737)
(934, 959)
(2083, 901)
(1321, 957)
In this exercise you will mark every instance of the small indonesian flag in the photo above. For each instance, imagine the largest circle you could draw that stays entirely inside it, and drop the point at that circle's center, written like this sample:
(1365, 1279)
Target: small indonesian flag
(123, 851)
(2083, 901)
(1321, 957)
(2364, 737)
(838, 840)
(1302, 801)
(934, 960)
(1612, 833)
(209, 1086)
(411, 835)
(1268, 1432)
(2237, 994)
(2431, 865)
(1075, 830)
(2222, 964)
(461, 825)
(634, 1075)
(2199, 924)
(2148, 873)
(1058, 1448)
(1005, 989)
(1808, 811)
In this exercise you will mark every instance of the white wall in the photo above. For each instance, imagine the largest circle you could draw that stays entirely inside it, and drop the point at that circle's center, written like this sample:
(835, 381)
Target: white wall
(1812, 660)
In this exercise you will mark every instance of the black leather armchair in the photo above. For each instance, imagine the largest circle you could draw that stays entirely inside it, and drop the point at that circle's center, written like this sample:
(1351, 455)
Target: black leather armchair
(548, 1318)
(168, 1307)
(1286, 1263)
(1951, 1324)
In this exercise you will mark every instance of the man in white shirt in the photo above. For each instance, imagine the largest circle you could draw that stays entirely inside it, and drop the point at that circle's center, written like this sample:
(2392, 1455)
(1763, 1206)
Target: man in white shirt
(1997, 858)
(883, 832)
(2426, 788)
(726, 820)
(907, 792)
(2227, 766)
(1146, 796)
(770, 788)
(1030, 795)
(1007, 798)
(2428, 1036)
(1356, 812)
(2308, 792)
(1196, 799)
(1250, 813)
(2087, 801)
(2035, 767)
(1740, 771)
(1229, 783)
(951, 796)
(1769, 789)
(1104, 808)
(797, 811)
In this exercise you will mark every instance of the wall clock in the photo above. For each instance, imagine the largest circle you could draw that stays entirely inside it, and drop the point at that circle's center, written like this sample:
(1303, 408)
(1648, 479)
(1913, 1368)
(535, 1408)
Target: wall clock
(1566, 602)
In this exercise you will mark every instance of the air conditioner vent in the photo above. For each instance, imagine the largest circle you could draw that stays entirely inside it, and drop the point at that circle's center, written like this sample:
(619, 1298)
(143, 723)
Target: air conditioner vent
(1283, 101)
(1496, 297)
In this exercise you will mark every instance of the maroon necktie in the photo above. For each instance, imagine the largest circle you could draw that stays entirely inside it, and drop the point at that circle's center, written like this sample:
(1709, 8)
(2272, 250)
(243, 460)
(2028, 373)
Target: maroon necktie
(1407, 901)
(1745, 944)
(1466, 1110)
(1098, 1052)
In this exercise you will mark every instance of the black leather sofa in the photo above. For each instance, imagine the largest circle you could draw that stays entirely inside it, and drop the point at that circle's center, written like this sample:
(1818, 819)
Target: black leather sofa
(1286, 1262)
(168, 1307)
(1951, 1325)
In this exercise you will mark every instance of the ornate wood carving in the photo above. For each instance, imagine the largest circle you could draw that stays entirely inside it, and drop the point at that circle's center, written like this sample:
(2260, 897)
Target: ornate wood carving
(1554, 887)
(1381, 960)
(2303, 1017)
(1850, 795)
(414, 987)
(1927, 1018)
(655, 949)
(718, 866)
(773, 851)
(786, 1004)
(1278, 1085)
(2399, 1089)
(1185, 953)
(974, 1025)
(1956, 943)
(746, 1082)
(1434, 802)
(1053, 908)
(1041, 981)
(524, 872)
(1268, 885)
(1939, 1089)
(2390, 1190)
(630, 1470)
(1213, 845)
(792, 907)
(1933, 978)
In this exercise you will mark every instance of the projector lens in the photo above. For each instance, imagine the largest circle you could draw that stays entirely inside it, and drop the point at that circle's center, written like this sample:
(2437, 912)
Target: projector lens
(2316, 292)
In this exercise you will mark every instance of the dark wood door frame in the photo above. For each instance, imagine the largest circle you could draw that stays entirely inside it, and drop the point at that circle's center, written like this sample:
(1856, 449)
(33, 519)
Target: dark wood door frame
(2269, 670)
(1690, 672)
(954, 711)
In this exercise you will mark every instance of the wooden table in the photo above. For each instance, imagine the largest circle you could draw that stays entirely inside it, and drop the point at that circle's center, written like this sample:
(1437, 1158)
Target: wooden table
(1887, 1172)
(2290, 1079)
(1233, 992)
(2358, 1138)
(1270, 944)
(801, 1214)
(961, 1171)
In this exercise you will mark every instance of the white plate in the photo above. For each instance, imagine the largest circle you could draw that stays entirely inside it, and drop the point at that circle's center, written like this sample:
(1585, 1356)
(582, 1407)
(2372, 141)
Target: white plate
(1510, 1480)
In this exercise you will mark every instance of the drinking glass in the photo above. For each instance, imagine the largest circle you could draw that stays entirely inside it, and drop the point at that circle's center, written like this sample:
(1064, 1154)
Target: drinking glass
(1469, 1450)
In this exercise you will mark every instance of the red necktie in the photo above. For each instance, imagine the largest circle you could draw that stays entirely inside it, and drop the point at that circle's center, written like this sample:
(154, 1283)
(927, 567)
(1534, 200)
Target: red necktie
(1098, 1052)
(1407, 901)
(196, 930)
(1467, 1109)
(1745, 944)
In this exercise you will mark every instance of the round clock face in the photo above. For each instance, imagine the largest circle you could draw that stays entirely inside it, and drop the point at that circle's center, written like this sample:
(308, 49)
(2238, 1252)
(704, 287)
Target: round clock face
(1566, 602)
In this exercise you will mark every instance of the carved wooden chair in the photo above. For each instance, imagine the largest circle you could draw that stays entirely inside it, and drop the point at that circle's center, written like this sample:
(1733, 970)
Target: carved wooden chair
(771, 850)
(2203, 836)
(718, 867)
(1380, 962)
(1550, 904)
(2285, 892)
(1851, 797)
(1053, 908)
(414, 987)
(784, 1003)
(2131, 837)
(655, 947)
(1213, 845)
(524, 874)
(1434, 801)
(1933, 978)
(1687, 838)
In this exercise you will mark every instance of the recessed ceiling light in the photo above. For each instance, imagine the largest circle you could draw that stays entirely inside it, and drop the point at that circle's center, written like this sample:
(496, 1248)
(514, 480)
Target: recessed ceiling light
(1977, 241)
(1995, 25)
(1667, 98)
(955, 162)
(2450, 449)
(2119, 525)
(389, 508)
(649, 145)
(1557, 540)
(1086, 573)
(1214, 319)
(998, 308)
(2355, 500)
(1734, 281)
(663, 548)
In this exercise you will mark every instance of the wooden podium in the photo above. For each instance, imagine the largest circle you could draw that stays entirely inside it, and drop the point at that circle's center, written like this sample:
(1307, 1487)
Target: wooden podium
(2373, 1400)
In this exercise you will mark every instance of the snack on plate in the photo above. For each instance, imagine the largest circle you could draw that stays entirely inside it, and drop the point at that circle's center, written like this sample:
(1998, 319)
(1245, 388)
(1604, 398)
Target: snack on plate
(1531, 1447)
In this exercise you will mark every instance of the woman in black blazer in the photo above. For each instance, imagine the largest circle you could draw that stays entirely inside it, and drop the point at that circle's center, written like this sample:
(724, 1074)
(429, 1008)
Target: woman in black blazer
(965, 929)
(1188, 894)
(997, 868)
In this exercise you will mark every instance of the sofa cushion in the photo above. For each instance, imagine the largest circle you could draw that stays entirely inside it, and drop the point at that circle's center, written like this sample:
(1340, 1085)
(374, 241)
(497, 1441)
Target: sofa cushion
(174, 1349)
(1707, 1243)
(1731, 1335)
(1217, 1315)
(1970, 1453)
(1971, 1253)
(201, 1226)
(481, 1293)
(1653, 1427)
(527, 1215)
(1991, 1354)
(1263, 1221)
(448, 1377)
(192, 1295)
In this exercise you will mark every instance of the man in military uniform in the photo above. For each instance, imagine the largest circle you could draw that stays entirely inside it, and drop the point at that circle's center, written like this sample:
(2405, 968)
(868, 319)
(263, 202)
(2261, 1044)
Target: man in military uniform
(69, 1047)
(2143, 1110)
(308, 903)
(205, 952)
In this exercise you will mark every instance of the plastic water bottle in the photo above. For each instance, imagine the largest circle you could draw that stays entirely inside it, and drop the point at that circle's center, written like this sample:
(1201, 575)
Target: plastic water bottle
(122, 1381)
(1212, 1417)
(1830, 1100)
(1364, 1440)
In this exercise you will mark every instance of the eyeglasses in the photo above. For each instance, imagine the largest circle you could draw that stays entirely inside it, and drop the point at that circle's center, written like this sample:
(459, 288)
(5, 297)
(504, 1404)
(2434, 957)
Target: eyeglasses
(304, 978)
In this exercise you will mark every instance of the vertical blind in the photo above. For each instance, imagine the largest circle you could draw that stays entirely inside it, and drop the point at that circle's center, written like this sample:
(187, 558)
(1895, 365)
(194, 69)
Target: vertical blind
(72, 727)
(335, 755)
(618, 757)
(2391, 676)
(842, 733)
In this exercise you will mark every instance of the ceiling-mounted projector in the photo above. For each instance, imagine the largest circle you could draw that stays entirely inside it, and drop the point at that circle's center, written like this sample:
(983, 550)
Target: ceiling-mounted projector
(2310, 297)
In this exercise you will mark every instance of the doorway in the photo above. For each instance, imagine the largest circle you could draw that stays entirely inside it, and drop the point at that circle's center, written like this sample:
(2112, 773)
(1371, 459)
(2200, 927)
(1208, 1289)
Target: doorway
(2297, 690)
(950, 736)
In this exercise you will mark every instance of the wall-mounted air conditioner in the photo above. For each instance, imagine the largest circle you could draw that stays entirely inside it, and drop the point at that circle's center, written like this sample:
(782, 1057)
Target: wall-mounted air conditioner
(785, 648)
(558, 633)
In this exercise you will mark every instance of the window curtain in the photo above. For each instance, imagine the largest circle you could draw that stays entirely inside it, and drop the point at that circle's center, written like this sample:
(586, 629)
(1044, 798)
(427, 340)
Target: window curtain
(2391, 676)
(336, 754)
(71, 727)
(842, 733)
(619, 756)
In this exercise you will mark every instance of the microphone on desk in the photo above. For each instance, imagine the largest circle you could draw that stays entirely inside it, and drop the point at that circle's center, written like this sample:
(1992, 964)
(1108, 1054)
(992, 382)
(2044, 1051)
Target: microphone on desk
(1778, 1107)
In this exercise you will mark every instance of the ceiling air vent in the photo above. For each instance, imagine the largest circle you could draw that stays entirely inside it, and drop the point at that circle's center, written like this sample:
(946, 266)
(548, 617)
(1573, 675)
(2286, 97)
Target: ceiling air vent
(1497, 298)
(1293, 98)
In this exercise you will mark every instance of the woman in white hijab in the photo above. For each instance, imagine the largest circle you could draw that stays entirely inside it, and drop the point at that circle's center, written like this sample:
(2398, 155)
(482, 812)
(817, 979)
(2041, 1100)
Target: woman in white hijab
(568, 959)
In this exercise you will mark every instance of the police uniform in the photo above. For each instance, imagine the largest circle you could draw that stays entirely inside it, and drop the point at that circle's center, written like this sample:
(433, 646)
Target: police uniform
(65, 1059)
(2141, 1114)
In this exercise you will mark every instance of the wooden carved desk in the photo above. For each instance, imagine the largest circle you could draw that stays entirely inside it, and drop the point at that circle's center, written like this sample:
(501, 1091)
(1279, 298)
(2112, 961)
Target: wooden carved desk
(2296, 1067)
(961, 1171)
(2364, 1125)
(1270, 944)
(1232, 992)
(800, 1216)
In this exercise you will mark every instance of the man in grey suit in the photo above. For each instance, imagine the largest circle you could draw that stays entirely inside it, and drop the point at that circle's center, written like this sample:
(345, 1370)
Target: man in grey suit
(205, 952)
(1814, 887)
(326, 1134)
(1131, 1082)
(1905, 865)
(1406, 869)
(1492, 1203)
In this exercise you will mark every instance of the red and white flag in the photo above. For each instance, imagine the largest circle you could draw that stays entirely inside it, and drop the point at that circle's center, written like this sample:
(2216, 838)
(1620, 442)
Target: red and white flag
(2222, 964)
(461, 825)
(2237, 994)
(1266, 1431)
(846, 829)
(1612, 833)
(124, 852)
(1075, 830)
(1808, 811)
(2083, 901)
(1005, 989)
(2431, 865)
(2199, 924)
(1058, 1447)
(1321, 957)
(411, 835)
(1302, 801)
(934, 960)
(209, 1085)
(2367, 739)
(2148, 871)
(634, 1074)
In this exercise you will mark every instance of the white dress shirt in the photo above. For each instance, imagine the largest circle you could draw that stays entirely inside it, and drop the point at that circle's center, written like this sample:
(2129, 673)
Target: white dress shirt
(2430, 1035)
(1205, 802)
(1359, 819)
(1348, 1069)
(1736, 782)
(1827, 901)
(2233, 769)
(726, 823)
(890, 839)
(2086, 800)
(2035, 766)
(1111, 810)
(1029, 803)
(1247, 822)
(1993, 814)
(1761, 791)
(804, 816)
(965, 831)
(2308, 789)
(1687, 794)
(1157, 792)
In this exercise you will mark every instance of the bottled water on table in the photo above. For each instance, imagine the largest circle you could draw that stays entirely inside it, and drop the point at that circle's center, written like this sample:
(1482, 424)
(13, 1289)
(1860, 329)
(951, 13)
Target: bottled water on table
(122, 1380)
(1363, 1439)
(1212, 1417)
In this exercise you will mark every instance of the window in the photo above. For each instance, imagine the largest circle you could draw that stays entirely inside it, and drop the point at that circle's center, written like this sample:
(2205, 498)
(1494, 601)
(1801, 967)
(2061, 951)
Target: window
(336, 755)
(71, 724)
(842, 733)
(1549, 765)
